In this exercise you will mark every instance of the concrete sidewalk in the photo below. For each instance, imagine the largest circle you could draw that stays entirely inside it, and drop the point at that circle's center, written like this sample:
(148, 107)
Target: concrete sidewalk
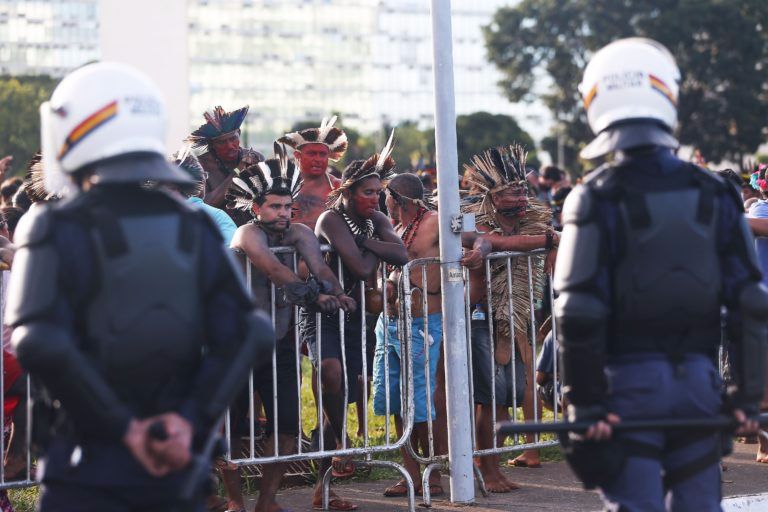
(550, 488)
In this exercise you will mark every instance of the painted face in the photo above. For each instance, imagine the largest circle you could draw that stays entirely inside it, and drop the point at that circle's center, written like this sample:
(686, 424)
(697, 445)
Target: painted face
(275, 212)
(313, 159)
(227, 149)
(511, 202)
(365, 197)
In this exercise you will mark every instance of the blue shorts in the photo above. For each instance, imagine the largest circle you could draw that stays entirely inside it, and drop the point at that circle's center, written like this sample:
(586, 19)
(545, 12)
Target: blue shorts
(435, 326)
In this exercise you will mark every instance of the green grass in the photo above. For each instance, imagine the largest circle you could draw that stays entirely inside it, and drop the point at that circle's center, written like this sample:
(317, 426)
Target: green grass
(24, 500)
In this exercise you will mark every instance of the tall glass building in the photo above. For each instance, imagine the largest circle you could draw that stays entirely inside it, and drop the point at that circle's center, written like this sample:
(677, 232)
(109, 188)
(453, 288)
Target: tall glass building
(47, 37)
(290, 60)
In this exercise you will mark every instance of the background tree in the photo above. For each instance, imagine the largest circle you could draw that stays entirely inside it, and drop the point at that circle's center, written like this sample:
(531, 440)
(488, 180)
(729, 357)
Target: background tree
(481, 130)
(721, 47)
(20, 99)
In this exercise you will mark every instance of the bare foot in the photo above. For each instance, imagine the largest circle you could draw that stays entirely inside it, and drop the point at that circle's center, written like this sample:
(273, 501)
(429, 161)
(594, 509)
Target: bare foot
(509, 483)
(762, 449)
(495, 484)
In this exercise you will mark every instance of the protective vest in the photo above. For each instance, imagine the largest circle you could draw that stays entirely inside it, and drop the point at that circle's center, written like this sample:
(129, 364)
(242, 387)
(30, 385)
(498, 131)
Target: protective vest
(667, 279)
(145, 320)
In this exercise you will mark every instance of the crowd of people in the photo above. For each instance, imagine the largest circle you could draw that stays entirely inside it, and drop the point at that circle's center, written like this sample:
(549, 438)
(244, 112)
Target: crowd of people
(131, 419)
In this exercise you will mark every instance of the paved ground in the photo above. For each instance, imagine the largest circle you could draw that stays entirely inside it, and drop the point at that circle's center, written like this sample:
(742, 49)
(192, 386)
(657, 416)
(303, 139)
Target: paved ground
(550, 488)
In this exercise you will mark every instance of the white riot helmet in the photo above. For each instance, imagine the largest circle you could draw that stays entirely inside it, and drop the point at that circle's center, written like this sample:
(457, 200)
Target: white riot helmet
(630, 91)
(99, 112)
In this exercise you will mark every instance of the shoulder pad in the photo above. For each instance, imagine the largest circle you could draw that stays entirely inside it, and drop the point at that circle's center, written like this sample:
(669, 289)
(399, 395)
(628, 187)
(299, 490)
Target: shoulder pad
(578, 205)
(35, 226)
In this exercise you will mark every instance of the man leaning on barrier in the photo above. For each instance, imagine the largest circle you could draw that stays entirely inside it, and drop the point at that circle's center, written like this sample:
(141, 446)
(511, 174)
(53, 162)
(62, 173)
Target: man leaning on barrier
(125, 304)
(267, 191)
(362, 237)
(652, 248)
(512, 220)
(417, 224)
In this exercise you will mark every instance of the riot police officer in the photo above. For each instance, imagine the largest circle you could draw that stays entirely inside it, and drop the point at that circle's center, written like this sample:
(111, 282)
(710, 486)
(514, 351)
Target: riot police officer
(125, 304)
(653, 247)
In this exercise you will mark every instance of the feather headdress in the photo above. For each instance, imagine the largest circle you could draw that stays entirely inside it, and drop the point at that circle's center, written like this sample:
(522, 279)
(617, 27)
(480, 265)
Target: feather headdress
(381, 165)
(327, 134)
(219, 123)
(277, 175)
(35, 181)
(188, 162)
(498, 168)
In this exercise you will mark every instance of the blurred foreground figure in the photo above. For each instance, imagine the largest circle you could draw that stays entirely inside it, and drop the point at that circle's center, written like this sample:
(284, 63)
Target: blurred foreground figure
(126, 307)
(652, 249)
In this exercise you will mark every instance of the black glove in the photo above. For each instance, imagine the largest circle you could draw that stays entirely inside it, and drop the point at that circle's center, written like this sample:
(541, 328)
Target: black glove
(595, 463)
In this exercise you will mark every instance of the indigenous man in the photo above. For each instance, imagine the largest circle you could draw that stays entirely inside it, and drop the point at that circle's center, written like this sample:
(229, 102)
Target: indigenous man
(418, 226)
(223, 158)
(125, 304)
(266, 190)
(512, 221)
(314, 148)
(362, 237)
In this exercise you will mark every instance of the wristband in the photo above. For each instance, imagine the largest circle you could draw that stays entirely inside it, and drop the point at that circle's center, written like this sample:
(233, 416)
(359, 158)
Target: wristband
(550, 240)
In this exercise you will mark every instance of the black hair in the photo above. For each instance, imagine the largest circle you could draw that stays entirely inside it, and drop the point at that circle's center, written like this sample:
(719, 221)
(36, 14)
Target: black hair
(552, 172)
(260, 200)
(406, 185)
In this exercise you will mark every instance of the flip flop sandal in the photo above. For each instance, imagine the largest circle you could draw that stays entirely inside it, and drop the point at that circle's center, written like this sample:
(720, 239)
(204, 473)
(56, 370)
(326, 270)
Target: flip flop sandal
(521, 463)
(337, 504)
(399, 490)
(342, 468)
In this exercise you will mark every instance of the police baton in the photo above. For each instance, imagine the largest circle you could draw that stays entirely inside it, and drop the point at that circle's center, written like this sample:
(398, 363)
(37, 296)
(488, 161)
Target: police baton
(711, 423)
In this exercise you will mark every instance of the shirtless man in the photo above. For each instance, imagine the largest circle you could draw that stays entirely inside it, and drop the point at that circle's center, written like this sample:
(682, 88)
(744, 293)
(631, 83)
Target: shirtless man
(271, 204)
(418, 228)
(511, 221)
(223, 156)
(362, 237)
(314, 148)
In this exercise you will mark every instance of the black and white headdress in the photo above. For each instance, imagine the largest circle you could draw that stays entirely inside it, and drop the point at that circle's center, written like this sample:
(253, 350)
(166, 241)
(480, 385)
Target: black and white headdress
(277, 175)
(381, 165)
(327, 134)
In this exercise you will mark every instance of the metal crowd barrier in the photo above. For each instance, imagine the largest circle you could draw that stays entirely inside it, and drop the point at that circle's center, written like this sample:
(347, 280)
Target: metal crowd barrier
(433, 460)
(529, 287)
(17, 428)
(304, 452)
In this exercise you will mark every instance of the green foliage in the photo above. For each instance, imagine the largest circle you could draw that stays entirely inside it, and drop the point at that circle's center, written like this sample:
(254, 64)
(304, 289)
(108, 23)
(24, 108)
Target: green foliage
(481, 130)
(20, 99)
(721, 47)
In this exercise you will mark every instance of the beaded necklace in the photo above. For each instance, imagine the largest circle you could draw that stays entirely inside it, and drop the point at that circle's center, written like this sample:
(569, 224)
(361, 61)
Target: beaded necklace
(409, 235)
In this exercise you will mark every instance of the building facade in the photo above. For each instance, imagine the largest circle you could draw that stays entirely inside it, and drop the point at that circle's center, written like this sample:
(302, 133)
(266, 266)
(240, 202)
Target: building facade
(290, 60)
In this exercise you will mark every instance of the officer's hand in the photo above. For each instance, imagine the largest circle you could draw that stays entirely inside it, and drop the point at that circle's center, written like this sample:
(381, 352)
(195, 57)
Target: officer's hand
(327, 303)
(472, 259)
(602, 430)
(748, 427)
(136, 438)
(175, 450)
(348, 304)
